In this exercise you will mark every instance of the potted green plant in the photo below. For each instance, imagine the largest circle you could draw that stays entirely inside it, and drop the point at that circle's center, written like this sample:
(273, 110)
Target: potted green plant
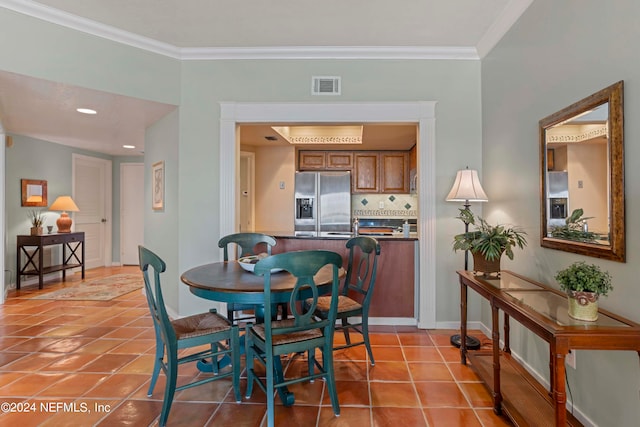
(488, 242)
(37, 219)
(584, 283)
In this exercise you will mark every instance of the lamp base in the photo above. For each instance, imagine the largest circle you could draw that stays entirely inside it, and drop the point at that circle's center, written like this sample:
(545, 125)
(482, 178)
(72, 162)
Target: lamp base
(64, 223)
(472, 342)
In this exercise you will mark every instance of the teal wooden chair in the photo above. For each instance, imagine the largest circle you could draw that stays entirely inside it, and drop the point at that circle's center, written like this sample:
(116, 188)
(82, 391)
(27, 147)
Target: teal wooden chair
(302, 332)
(210, 329)
(356, 293)
(247, 244)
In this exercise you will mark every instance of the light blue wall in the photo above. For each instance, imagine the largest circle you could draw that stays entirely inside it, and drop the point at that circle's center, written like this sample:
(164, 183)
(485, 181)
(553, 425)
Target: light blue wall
(43, 50)
(455, 85)
(558, 53)
(31, 158)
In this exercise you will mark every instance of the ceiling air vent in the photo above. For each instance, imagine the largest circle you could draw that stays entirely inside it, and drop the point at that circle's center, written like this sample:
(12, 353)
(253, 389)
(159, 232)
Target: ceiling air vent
(325, 85)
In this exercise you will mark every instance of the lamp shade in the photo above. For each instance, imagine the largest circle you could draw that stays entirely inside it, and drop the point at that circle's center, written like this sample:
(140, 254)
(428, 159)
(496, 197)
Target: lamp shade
(467, 188)
(64, 203)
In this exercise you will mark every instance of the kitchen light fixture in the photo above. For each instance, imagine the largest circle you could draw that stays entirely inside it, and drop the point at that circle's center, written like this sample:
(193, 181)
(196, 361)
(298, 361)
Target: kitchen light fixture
(130, 147)
(64, 203)
(347, 134)
(86, 111)
(466, 188)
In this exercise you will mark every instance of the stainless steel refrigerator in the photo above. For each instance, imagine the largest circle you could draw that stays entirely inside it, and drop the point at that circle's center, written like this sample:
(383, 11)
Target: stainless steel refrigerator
(322, 203)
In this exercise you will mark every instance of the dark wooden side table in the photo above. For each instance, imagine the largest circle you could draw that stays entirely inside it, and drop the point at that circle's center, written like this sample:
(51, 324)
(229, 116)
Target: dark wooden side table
(72, 254)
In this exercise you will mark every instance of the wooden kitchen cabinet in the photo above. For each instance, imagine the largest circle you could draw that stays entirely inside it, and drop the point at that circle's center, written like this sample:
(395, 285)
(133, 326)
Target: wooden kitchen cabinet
(381, 172)
(394, 172)
(339, 160)
(325, 160)
(366, 170)
(371, 171)
(311, 160)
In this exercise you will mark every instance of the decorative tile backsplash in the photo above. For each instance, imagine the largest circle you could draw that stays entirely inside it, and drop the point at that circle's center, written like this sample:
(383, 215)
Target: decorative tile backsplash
(384, 205)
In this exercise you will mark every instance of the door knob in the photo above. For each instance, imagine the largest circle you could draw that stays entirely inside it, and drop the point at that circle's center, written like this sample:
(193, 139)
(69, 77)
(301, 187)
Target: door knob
(103, 220)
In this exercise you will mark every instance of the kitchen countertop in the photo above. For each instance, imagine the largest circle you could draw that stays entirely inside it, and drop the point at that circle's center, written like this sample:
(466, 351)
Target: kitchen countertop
(291, 235)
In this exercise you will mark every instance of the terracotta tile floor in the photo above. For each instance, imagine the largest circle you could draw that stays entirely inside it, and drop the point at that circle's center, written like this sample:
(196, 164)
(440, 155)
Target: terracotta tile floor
(96, 357)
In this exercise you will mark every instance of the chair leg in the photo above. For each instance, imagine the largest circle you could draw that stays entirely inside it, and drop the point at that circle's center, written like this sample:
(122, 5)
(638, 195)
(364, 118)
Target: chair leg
(170, 388)
(235, 345)
(345, 330)
(156, 366)
(230, 312)
(365, 335)
(270, 392)
(327, 364)
(248, 353)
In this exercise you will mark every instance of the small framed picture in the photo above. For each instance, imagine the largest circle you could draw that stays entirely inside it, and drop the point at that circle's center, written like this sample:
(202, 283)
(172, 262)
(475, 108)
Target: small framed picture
(157, 186)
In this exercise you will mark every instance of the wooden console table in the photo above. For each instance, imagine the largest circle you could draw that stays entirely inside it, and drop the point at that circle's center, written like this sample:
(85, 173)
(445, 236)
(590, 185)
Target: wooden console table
(72, 254)
(543, 310)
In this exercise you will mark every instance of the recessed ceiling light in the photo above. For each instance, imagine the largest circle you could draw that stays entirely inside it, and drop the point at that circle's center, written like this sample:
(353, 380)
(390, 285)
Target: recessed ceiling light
(129, 146)
(86, 111)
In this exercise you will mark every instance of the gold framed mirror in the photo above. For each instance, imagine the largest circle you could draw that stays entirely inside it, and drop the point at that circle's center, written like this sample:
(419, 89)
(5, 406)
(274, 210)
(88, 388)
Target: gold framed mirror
(582, 176)
(34, 192)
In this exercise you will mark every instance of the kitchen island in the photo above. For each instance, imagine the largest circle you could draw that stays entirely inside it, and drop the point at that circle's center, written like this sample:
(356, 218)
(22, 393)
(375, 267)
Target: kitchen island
(395, 295)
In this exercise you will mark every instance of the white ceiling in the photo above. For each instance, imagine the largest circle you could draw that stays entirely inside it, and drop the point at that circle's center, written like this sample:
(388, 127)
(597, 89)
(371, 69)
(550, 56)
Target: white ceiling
(460, 29)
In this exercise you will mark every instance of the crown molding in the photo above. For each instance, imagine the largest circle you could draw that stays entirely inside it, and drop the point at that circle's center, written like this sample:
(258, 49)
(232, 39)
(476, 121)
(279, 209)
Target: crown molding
(58, 17)
(331, 52)
(511, 13)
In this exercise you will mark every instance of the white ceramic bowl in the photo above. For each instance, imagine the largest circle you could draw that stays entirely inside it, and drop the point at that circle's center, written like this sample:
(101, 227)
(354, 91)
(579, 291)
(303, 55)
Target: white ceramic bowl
(249, 262)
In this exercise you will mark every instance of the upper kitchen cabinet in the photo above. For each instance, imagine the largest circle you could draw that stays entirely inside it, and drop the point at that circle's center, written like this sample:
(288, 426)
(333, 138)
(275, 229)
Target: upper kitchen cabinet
(394, 172)
(381, 172)
(371, 171)
(312, 160)
(365, 176)
(325, 160)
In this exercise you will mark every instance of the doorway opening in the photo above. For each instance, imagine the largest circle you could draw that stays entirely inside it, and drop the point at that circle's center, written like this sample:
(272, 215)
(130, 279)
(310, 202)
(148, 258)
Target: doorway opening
(421, 113)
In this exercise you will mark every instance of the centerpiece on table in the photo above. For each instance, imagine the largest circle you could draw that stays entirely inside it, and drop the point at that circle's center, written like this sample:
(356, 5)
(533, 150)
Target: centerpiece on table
(584, 283)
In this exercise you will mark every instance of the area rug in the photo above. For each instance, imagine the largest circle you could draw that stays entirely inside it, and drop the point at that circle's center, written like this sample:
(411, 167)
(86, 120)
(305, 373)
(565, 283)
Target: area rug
(104, 289)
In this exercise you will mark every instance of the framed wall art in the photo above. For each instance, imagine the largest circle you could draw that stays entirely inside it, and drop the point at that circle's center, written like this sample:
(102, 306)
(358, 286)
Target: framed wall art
(34, 192)
(157, 186)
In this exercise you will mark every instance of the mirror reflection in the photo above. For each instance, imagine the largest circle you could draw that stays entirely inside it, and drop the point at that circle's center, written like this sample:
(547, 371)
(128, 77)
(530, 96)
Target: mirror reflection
(582, 195)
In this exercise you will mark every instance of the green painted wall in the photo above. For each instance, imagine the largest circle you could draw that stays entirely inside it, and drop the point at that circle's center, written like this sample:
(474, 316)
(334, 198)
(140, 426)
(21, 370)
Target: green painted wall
(31, 158)
(455, 85)
(558, 53)
(43, 50)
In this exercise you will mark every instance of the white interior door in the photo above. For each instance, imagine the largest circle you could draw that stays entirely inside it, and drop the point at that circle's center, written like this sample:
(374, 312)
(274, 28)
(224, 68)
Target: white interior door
(131, 211)
(92, 193)
(247, 165)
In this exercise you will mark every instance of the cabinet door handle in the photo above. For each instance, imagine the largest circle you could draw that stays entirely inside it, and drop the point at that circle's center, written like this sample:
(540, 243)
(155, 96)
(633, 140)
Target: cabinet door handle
(103, 220)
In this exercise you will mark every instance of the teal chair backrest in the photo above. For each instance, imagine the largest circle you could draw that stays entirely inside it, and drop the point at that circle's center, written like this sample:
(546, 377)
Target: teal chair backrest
(246, 243)
(153, 291)
(362, 266)
(303, 265)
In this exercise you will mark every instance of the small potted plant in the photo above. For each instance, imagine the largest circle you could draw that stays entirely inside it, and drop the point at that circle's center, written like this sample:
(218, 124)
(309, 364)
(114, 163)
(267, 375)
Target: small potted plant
(584, 283)
(488, 242)
(37, 219)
